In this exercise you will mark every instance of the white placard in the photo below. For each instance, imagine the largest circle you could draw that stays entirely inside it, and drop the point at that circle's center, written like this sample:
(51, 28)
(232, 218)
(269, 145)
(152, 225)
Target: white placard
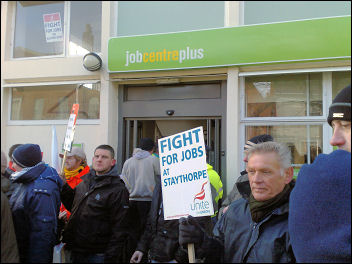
(184, 178)
(70, 131)
(52, 27)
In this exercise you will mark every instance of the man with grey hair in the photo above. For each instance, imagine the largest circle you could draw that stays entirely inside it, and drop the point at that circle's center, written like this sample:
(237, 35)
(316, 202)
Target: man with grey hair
(255, 228)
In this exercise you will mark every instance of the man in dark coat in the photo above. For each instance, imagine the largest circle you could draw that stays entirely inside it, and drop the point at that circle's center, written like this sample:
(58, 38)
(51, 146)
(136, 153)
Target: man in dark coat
(160, 239)
(96, 230)
(34, 204)
(9, 250)
(254, 228)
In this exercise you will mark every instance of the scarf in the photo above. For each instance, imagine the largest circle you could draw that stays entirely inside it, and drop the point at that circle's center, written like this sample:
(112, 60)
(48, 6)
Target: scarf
(70, 174)
(261, 209)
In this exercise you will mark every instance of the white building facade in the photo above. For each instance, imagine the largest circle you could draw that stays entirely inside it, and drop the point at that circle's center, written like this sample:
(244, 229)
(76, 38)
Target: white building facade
(237, 68)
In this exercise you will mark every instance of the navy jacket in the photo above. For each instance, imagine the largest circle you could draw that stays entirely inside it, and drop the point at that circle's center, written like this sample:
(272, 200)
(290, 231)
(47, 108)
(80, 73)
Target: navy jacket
(35, 205)
(320, 210)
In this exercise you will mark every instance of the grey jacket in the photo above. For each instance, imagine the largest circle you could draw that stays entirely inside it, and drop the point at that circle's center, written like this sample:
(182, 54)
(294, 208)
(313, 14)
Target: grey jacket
(139, 173)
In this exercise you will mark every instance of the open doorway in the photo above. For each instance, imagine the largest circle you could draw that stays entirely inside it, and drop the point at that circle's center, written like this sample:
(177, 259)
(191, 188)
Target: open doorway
(135, 129)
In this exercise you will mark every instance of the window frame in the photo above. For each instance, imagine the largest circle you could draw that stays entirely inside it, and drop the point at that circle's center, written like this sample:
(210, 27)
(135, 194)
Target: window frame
(301, 120)
(66, 28)
(47, 122)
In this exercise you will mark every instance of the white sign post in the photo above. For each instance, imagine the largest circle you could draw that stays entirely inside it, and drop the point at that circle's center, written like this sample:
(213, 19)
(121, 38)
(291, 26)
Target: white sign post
(70, 132)
(184, 178)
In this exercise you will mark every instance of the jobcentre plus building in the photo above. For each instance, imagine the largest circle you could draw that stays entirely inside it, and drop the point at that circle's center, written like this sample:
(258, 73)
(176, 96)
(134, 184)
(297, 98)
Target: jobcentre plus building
(238, 69)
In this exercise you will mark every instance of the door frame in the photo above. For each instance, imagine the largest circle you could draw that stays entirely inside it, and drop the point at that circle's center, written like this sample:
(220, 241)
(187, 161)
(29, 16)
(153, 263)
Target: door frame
(210, 109)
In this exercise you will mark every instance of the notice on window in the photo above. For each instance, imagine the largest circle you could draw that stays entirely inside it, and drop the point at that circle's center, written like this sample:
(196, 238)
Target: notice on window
(52, 27)
(184, 177)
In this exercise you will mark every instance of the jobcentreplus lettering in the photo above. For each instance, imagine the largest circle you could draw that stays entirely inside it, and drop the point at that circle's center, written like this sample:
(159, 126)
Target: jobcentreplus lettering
(164, 56)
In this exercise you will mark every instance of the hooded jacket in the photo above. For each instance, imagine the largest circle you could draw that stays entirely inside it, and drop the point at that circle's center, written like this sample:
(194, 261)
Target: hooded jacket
(320, 210)
(139, 174)
(98, 208)
(35, 207)
(238, 239)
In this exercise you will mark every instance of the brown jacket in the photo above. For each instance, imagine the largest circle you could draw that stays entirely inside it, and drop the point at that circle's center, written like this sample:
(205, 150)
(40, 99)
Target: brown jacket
(9, 250)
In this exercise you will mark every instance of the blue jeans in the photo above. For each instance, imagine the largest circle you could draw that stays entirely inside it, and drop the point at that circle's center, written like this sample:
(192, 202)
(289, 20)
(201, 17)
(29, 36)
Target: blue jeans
(87, 258)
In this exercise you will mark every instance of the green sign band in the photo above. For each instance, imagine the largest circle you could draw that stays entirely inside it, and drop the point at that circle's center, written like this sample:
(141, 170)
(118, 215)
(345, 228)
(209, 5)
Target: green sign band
(305, 40)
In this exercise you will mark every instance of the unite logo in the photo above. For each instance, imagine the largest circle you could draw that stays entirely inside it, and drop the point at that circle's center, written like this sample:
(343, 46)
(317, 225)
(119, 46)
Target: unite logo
(201, 194)
(201, 207)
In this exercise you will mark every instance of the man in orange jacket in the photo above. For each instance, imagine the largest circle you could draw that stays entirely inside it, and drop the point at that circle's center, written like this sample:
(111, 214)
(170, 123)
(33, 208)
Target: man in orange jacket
(75, 167)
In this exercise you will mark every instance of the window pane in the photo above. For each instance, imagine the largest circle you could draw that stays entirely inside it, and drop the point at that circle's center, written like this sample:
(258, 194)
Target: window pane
(339, 81)
(39, 29)
(54, 102)
(257, 12)
(150, 17)
(85, 27)
(89, 101)
(283, 95)
(304, 146)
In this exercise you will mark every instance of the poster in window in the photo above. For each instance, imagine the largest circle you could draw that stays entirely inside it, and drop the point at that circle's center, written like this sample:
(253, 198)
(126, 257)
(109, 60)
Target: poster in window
(52, 27)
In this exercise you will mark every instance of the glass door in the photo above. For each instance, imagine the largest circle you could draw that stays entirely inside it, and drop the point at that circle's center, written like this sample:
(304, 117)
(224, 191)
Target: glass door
(135, 129)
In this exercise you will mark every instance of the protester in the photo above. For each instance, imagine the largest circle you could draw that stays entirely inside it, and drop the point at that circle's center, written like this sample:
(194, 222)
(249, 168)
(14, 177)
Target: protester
(5, 182)
(216, 187)
(320, 204)
(34, 204)
(139, 173)
(10, 169)
(75, 167)
(160, 238)
(8, 186)
(9, 250)
(254, 228)
(95, 231)
(242, 181)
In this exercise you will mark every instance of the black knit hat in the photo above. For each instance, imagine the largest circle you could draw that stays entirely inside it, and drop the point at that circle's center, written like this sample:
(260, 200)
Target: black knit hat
(340, 109)
(257, 139)
(147, 144)
(27, 155)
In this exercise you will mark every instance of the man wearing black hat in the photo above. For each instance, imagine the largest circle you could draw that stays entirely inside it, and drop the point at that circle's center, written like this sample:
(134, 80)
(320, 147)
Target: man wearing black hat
(320, 204)
(243, 179)
(340, 119)
(34, 204)
(139, 174)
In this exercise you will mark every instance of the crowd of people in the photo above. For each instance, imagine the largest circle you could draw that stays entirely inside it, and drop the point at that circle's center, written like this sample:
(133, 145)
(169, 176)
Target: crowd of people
(102, 216)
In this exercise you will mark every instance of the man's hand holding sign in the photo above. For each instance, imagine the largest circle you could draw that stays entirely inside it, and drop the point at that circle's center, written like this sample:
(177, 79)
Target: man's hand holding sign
(185, 183)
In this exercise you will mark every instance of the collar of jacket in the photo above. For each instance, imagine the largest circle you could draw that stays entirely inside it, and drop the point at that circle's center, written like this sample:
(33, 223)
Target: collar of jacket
(28, 174)
(112, 173)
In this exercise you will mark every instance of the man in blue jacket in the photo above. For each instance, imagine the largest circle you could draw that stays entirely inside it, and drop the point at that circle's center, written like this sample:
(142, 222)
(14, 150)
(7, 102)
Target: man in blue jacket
(320, 204)
(35, 204)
